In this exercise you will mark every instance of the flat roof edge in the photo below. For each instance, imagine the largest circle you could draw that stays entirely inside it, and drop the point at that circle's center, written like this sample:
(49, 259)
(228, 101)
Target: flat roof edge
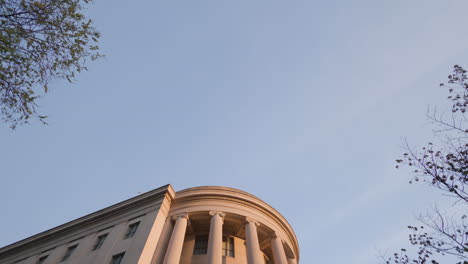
(95, 216)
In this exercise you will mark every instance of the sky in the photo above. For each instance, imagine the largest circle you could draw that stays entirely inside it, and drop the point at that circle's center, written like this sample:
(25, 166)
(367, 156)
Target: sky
(305, 104)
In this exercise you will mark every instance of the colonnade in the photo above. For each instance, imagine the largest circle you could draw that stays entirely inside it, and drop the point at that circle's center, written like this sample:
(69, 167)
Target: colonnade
(215, 240)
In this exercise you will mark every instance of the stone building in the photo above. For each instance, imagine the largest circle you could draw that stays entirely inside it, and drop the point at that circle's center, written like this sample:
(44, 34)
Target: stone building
(202, 225)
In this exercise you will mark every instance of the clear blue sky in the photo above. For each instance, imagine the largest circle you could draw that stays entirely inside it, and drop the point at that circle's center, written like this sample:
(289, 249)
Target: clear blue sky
(302, 103)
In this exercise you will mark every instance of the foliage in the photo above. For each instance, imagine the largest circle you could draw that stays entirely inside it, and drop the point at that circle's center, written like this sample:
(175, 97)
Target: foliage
(444, 166)
(40, 40)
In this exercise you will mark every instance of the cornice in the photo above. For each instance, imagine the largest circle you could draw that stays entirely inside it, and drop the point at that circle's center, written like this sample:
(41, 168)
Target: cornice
(160, 193)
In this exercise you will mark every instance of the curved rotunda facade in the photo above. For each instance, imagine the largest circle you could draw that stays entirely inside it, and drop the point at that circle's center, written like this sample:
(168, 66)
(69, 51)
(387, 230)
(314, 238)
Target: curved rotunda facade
(235, 226)
(201, 225)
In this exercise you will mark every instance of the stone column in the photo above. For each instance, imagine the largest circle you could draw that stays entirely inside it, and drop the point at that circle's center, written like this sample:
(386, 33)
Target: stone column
(254, 255)
(292, 261)
(278, 250)
(174, 249)
(215, 239)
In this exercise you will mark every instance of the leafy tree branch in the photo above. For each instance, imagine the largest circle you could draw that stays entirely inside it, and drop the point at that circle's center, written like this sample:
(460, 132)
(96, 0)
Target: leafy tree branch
(40, 41)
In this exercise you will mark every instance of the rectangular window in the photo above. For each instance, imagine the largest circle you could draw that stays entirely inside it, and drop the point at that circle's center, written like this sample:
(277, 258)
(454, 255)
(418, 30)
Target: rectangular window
(42, 259)
(117, 259)
(99, 241)
(228, 246)
(69, 252)
(132, 230)
(201, 245)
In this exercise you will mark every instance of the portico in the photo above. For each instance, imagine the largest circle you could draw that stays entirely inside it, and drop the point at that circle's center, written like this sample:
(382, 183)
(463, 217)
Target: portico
(263, 244)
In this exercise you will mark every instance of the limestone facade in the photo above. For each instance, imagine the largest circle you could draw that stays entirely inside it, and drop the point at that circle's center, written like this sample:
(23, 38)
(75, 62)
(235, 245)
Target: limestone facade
(201, 225)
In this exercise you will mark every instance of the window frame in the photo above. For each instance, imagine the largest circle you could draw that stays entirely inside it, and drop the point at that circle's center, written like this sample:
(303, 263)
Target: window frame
(100, 241)
(228, 247)
(120, 255)
(69, 252)
(201, 245)
(132, 229)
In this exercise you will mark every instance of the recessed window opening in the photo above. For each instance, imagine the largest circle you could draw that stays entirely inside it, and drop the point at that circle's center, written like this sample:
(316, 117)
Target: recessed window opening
(132, 230)
(201, 245)
(42, 259)
(117, 259)
(99, 241)
(228, 246)
(69, 252)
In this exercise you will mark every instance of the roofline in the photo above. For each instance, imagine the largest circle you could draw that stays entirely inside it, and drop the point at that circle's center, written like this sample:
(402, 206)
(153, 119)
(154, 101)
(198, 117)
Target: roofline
(90, 218)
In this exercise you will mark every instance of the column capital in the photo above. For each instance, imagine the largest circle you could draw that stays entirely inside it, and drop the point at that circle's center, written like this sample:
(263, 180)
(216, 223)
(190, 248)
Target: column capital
(213, 213)
(184, 215)
(275, 235)
(251, 220)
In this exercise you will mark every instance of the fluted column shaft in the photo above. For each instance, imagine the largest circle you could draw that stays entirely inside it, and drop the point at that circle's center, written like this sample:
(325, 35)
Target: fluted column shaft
(253, 246)
(174, 249)
(292, 261)
(215, 239)
(278, 251)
